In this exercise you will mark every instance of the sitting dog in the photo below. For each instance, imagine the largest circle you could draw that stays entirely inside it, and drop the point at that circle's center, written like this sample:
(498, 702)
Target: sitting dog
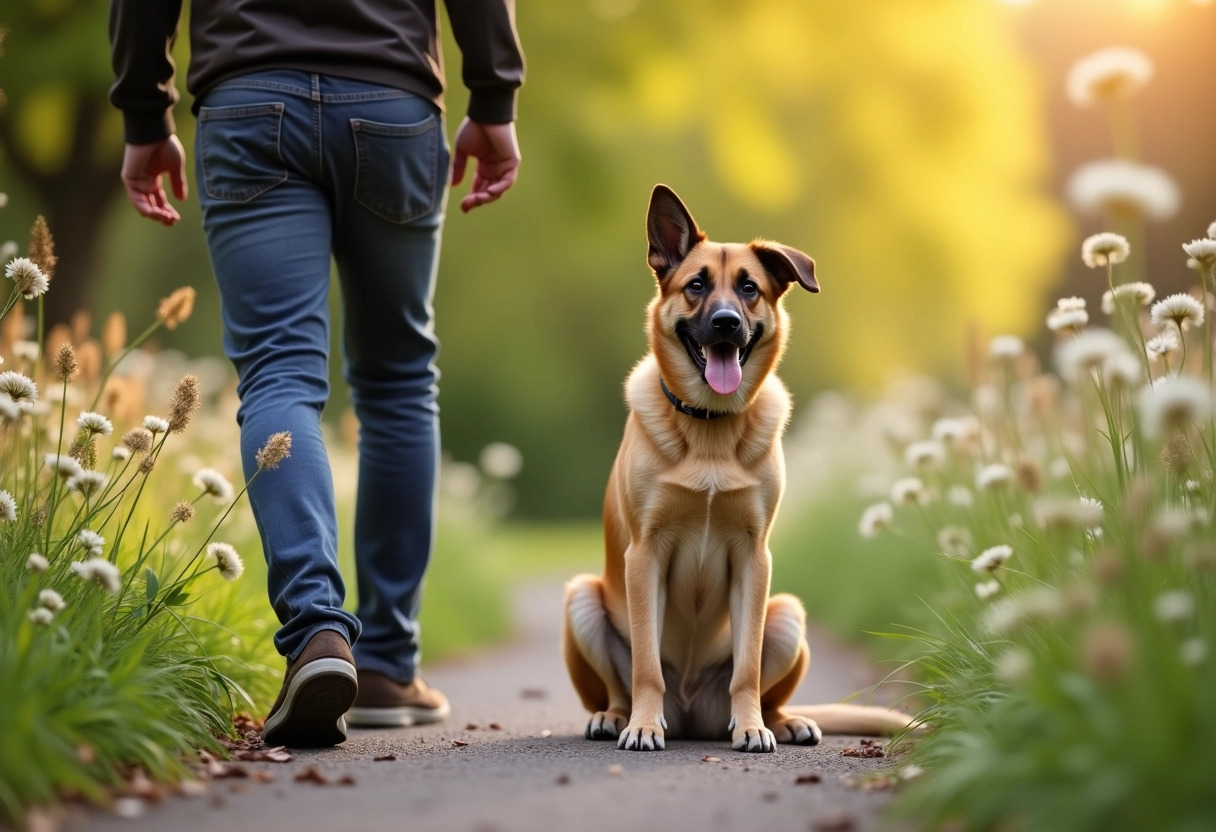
(679, 637)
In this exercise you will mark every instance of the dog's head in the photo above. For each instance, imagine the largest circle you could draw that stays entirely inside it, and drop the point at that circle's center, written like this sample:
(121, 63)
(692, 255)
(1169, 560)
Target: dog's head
(716, 326)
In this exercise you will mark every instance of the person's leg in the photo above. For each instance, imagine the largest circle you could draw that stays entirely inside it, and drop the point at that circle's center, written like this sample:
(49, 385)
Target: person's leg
(268, 232)
(386, 243)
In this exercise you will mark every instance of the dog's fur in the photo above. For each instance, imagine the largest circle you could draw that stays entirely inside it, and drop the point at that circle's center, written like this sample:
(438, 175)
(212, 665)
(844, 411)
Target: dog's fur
(679, 637)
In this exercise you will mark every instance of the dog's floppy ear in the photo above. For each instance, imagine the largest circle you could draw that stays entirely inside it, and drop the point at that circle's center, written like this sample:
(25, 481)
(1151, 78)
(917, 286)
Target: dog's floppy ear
(670, 230)
(787, 264)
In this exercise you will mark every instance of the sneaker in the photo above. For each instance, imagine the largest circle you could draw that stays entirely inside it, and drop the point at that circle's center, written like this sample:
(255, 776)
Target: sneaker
(319, 687)
(384, 703)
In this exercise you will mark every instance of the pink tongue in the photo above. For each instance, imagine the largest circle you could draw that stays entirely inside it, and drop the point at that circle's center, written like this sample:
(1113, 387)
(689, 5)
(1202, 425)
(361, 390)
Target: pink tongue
(722, 369)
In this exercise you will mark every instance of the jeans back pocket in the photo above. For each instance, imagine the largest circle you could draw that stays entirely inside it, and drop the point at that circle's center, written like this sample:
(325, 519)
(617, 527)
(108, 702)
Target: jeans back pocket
(239, 150)
(397, 174)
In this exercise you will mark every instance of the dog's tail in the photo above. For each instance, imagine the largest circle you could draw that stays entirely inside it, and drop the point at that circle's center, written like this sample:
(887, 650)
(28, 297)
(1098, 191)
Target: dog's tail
(865, 720)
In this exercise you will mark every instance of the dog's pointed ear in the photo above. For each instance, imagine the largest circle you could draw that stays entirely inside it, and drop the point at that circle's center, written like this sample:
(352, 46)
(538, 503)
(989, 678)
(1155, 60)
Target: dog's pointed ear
(788, 265)
(670, 231)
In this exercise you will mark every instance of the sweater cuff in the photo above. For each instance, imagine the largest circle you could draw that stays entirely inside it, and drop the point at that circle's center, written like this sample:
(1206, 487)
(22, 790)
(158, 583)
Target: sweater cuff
(147, 126)
(492, 107)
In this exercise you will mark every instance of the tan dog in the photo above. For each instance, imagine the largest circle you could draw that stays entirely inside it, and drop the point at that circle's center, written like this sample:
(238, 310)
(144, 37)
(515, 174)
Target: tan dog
(680, 637)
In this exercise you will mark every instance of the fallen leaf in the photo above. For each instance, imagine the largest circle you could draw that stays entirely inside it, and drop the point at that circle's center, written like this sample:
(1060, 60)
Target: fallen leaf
(459, 743)
(770, 797)
(346, 780)
(494, 726)
(472, 726)
(238, 788)
(834, 821)
(384, 758)
(312, 774)
(563, 779)
(803, 779)
(534, 693)
(262, 775)
(711, 759)
(867, 751)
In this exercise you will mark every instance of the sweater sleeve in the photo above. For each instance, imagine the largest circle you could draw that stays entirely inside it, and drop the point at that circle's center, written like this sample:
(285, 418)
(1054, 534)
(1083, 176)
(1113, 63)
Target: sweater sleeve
(493, 63)
(141, 34)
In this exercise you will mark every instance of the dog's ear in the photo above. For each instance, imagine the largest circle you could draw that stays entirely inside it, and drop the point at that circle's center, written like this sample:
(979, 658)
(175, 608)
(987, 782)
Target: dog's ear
(787, 264)
(670, 230)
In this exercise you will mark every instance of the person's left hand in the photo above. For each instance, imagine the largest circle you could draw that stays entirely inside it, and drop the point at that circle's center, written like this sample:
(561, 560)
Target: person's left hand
(142, 168)
(496, 150)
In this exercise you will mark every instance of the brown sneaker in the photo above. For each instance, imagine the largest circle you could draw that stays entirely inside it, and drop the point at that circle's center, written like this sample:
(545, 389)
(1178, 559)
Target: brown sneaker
(320, 685)
(384, 703)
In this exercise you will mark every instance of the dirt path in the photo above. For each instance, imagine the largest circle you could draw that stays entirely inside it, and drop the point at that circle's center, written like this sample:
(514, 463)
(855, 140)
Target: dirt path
(537, 772)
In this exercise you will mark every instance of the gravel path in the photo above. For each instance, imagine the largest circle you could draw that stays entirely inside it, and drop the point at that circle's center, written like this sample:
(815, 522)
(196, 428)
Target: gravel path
(536, 772)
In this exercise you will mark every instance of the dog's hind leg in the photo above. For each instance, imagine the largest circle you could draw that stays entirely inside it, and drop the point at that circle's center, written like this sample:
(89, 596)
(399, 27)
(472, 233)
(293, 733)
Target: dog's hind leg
(784, 659)
(593, 651)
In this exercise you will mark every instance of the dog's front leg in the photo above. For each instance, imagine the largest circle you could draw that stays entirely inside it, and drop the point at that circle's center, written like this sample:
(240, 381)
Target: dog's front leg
(647, 597)
(748, 602)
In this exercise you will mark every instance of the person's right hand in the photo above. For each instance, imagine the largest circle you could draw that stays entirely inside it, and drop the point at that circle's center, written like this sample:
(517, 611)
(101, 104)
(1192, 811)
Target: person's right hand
(496, 150)
(142, 168)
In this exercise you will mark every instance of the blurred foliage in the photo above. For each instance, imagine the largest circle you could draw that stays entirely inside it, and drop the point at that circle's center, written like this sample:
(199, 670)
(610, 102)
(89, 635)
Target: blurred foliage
(899, 144)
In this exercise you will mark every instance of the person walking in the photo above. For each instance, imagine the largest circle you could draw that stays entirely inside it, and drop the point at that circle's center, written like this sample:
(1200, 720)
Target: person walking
(321, 136)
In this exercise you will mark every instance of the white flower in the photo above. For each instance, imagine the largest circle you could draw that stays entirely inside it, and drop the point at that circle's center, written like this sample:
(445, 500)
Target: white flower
(1067, 320)
(1182, 310)
(1116, 184)
(954, 540)
(1174, 606)
(1212, 231)
(874, 519)
(91, 542)
(993, 476)
(1172, 522)
(1084, 513)
(121, 452)
(87, 483)
(909, 491)
(1013, 666)
(960, 495)
(910, 772)
(1108, 75)
(9, 250)
(1106, 247)
(8, 507)
(1137, 292)
(1174, 403)
(986, 589)
(1122, 370)
(1193, 651)
(41, 616)
(51, 600)
(992, 558)
(37, 563)
(1162, 345)
(95, 423)
(1203, 251)
(10, 411)
(228, 561)
(100, 571)
(501, 461)
(214, 484)
(1038, 604)
(1078, 357)
(18, 387)
(26, 350)
(155, 424)
(1006, 347)
(30, 280)
(953, 431)
(927, 454)
(1072, 304)
(65, 466)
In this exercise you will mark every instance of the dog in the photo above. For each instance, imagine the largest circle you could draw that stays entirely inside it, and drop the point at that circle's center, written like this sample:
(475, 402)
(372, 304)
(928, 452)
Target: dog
(679, 637)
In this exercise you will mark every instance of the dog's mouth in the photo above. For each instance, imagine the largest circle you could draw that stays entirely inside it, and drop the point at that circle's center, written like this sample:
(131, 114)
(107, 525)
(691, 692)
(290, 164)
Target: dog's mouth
(721, 363)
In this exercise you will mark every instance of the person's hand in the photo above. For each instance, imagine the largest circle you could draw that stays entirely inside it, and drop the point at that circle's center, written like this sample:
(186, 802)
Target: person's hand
(497, 153)
(142, 168)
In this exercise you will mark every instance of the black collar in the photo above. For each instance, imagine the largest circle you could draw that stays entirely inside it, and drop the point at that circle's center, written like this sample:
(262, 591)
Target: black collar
(694, 412)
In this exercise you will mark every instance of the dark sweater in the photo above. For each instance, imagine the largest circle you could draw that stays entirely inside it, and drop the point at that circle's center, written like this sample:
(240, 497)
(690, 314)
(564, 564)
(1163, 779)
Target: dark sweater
(389, 42)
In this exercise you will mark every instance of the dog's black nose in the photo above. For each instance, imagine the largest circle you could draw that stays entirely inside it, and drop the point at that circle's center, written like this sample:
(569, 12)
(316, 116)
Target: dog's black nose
(725, 320)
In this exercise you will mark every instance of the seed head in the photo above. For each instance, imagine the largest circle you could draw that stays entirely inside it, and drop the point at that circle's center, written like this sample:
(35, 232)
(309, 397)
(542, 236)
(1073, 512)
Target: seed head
(1107, 650)
(42, 247)
(184, 404)
(276, 449)
(139, 440)
(146, 465)
(177, 307)
(183, 512)
(66, 366)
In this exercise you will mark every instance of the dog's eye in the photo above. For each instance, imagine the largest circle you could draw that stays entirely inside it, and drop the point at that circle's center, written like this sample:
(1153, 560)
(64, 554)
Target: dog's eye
(749, 288)
(695, 285)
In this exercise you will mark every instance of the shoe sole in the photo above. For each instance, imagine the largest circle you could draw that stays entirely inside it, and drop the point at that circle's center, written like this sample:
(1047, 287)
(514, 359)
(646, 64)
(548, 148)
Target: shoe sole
(311, 715)
(402, 717)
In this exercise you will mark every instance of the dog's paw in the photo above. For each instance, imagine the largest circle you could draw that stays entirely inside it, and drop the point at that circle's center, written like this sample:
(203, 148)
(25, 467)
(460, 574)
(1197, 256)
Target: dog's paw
(643, 736)
(751, 736)
(796, 730)
(605, 725)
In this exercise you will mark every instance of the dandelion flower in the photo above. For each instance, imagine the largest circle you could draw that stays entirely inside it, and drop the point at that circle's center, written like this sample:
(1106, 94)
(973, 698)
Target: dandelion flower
(1108, 75)
(1174, 403)
(214, 484)
(875, 519)
(177, 307)
(31, 281)
(1182, 310)
(139, 440)
(183, 512)
(1174, 606)
(37, 562)
(51, 600)
(95, 423)
(986, 589)
(1159, 346)
(1104, 248)
(41, 616)
(184, 403)
(276, 449)
(927, 454)
(121, 453)
(66, 466)
(993, 476)
(501, 461)
(1006, 347)
(909, 491)
(66, 365)
(1193, 651)
(1077, 358)
(1067, 320)
(26, 350)
(91, 542)
(8, 507)
(960, 495)
(992, 558)
(88, 483)
(155, 425)
(228, 561)
(1202, 251)
(1137, 292)
(1116, 185)
(100, 571)
(18, 387)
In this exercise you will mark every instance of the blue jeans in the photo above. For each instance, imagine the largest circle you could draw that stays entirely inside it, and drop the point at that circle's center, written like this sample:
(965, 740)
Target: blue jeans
(294, 168)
